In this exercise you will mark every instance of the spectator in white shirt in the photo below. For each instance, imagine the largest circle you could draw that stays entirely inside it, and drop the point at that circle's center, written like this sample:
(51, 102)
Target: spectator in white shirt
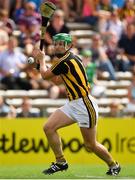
(112, 25)
(12, 62)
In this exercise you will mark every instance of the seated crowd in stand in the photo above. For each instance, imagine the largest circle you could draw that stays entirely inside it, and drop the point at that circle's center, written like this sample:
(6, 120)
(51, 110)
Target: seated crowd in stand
(111, 45)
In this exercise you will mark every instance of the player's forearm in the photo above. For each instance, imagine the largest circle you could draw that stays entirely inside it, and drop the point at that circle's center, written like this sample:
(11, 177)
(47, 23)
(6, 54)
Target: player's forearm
(46, 72)
(40, 58)
(57, 80)
(43, 68)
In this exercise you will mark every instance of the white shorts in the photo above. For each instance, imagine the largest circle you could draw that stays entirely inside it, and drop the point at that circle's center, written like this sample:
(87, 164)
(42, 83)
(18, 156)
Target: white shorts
(83, 110)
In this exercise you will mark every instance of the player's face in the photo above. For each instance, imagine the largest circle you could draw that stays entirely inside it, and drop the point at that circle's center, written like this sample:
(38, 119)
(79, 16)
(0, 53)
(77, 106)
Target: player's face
(59, 47)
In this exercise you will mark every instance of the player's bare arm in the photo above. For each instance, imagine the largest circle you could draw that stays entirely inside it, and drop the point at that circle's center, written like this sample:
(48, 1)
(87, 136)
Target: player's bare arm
(39, 56)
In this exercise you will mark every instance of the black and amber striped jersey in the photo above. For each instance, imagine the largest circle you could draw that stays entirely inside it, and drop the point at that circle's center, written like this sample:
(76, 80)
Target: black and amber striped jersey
(72, 71)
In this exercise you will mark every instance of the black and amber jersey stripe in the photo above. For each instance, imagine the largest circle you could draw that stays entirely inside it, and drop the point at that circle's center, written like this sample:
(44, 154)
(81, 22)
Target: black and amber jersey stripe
(72, 71)
(91, 111)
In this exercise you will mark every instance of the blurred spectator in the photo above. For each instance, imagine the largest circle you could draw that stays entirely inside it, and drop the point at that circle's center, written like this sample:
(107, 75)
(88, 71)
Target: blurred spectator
(60, 4)
(10, 5)
(88, 8)
(70, 7)
(119, 61)
(27, 110)
(54, 90)
(35, 79)
(89, 65)
(19, 6)
(96, 88)
(22, 27)
(89, 12)
(6, 110)
(75, 48)
(105, 5)
(12, 62)
(100, 57)
(29, 34)
(7, 23)
(112, 25)
(28, 49)
(57, 25)
(116, 109)
(104, 12)
(17, 9)
(3, 39)
(127, 12)
(4, 4)
(33, 35)
(37, 2)
(74, 9)
(28, 15)
(127, 43)
(130, 108)
(96, 12)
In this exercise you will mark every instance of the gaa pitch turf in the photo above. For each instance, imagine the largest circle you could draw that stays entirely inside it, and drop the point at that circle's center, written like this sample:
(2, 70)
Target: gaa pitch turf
(74, 172)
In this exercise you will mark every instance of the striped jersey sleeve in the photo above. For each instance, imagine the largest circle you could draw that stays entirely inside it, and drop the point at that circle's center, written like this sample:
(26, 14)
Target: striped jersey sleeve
(59, 68)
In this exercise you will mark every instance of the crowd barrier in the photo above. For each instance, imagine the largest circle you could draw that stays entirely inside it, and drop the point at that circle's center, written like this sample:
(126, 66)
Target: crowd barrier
(22, 141)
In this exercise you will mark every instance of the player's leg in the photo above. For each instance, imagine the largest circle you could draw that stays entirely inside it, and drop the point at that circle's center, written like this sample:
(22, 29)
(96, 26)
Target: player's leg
(57, 120)
(89, 136)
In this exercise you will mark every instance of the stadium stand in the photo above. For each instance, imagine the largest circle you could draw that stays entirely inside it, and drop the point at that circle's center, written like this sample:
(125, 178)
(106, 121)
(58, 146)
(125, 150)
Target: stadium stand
(78, 26)
(22, 93)
(115, 90)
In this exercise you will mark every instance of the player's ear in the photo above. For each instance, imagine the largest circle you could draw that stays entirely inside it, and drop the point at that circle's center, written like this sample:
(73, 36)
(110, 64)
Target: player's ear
(68, 46)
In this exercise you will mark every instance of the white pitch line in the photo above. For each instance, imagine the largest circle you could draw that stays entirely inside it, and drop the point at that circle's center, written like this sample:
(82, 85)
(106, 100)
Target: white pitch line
(101, 177)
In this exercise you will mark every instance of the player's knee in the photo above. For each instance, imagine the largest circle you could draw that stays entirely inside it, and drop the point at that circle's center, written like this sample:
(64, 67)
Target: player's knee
(90, 146)
(47, 128)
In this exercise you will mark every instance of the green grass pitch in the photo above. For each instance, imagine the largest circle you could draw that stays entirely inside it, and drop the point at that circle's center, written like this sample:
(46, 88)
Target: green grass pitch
(74, 172)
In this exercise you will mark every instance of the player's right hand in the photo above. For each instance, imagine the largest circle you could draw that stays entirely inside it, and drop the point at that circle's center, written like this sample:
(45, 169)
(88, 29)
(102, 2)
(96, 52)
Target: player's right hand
(38, 55)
